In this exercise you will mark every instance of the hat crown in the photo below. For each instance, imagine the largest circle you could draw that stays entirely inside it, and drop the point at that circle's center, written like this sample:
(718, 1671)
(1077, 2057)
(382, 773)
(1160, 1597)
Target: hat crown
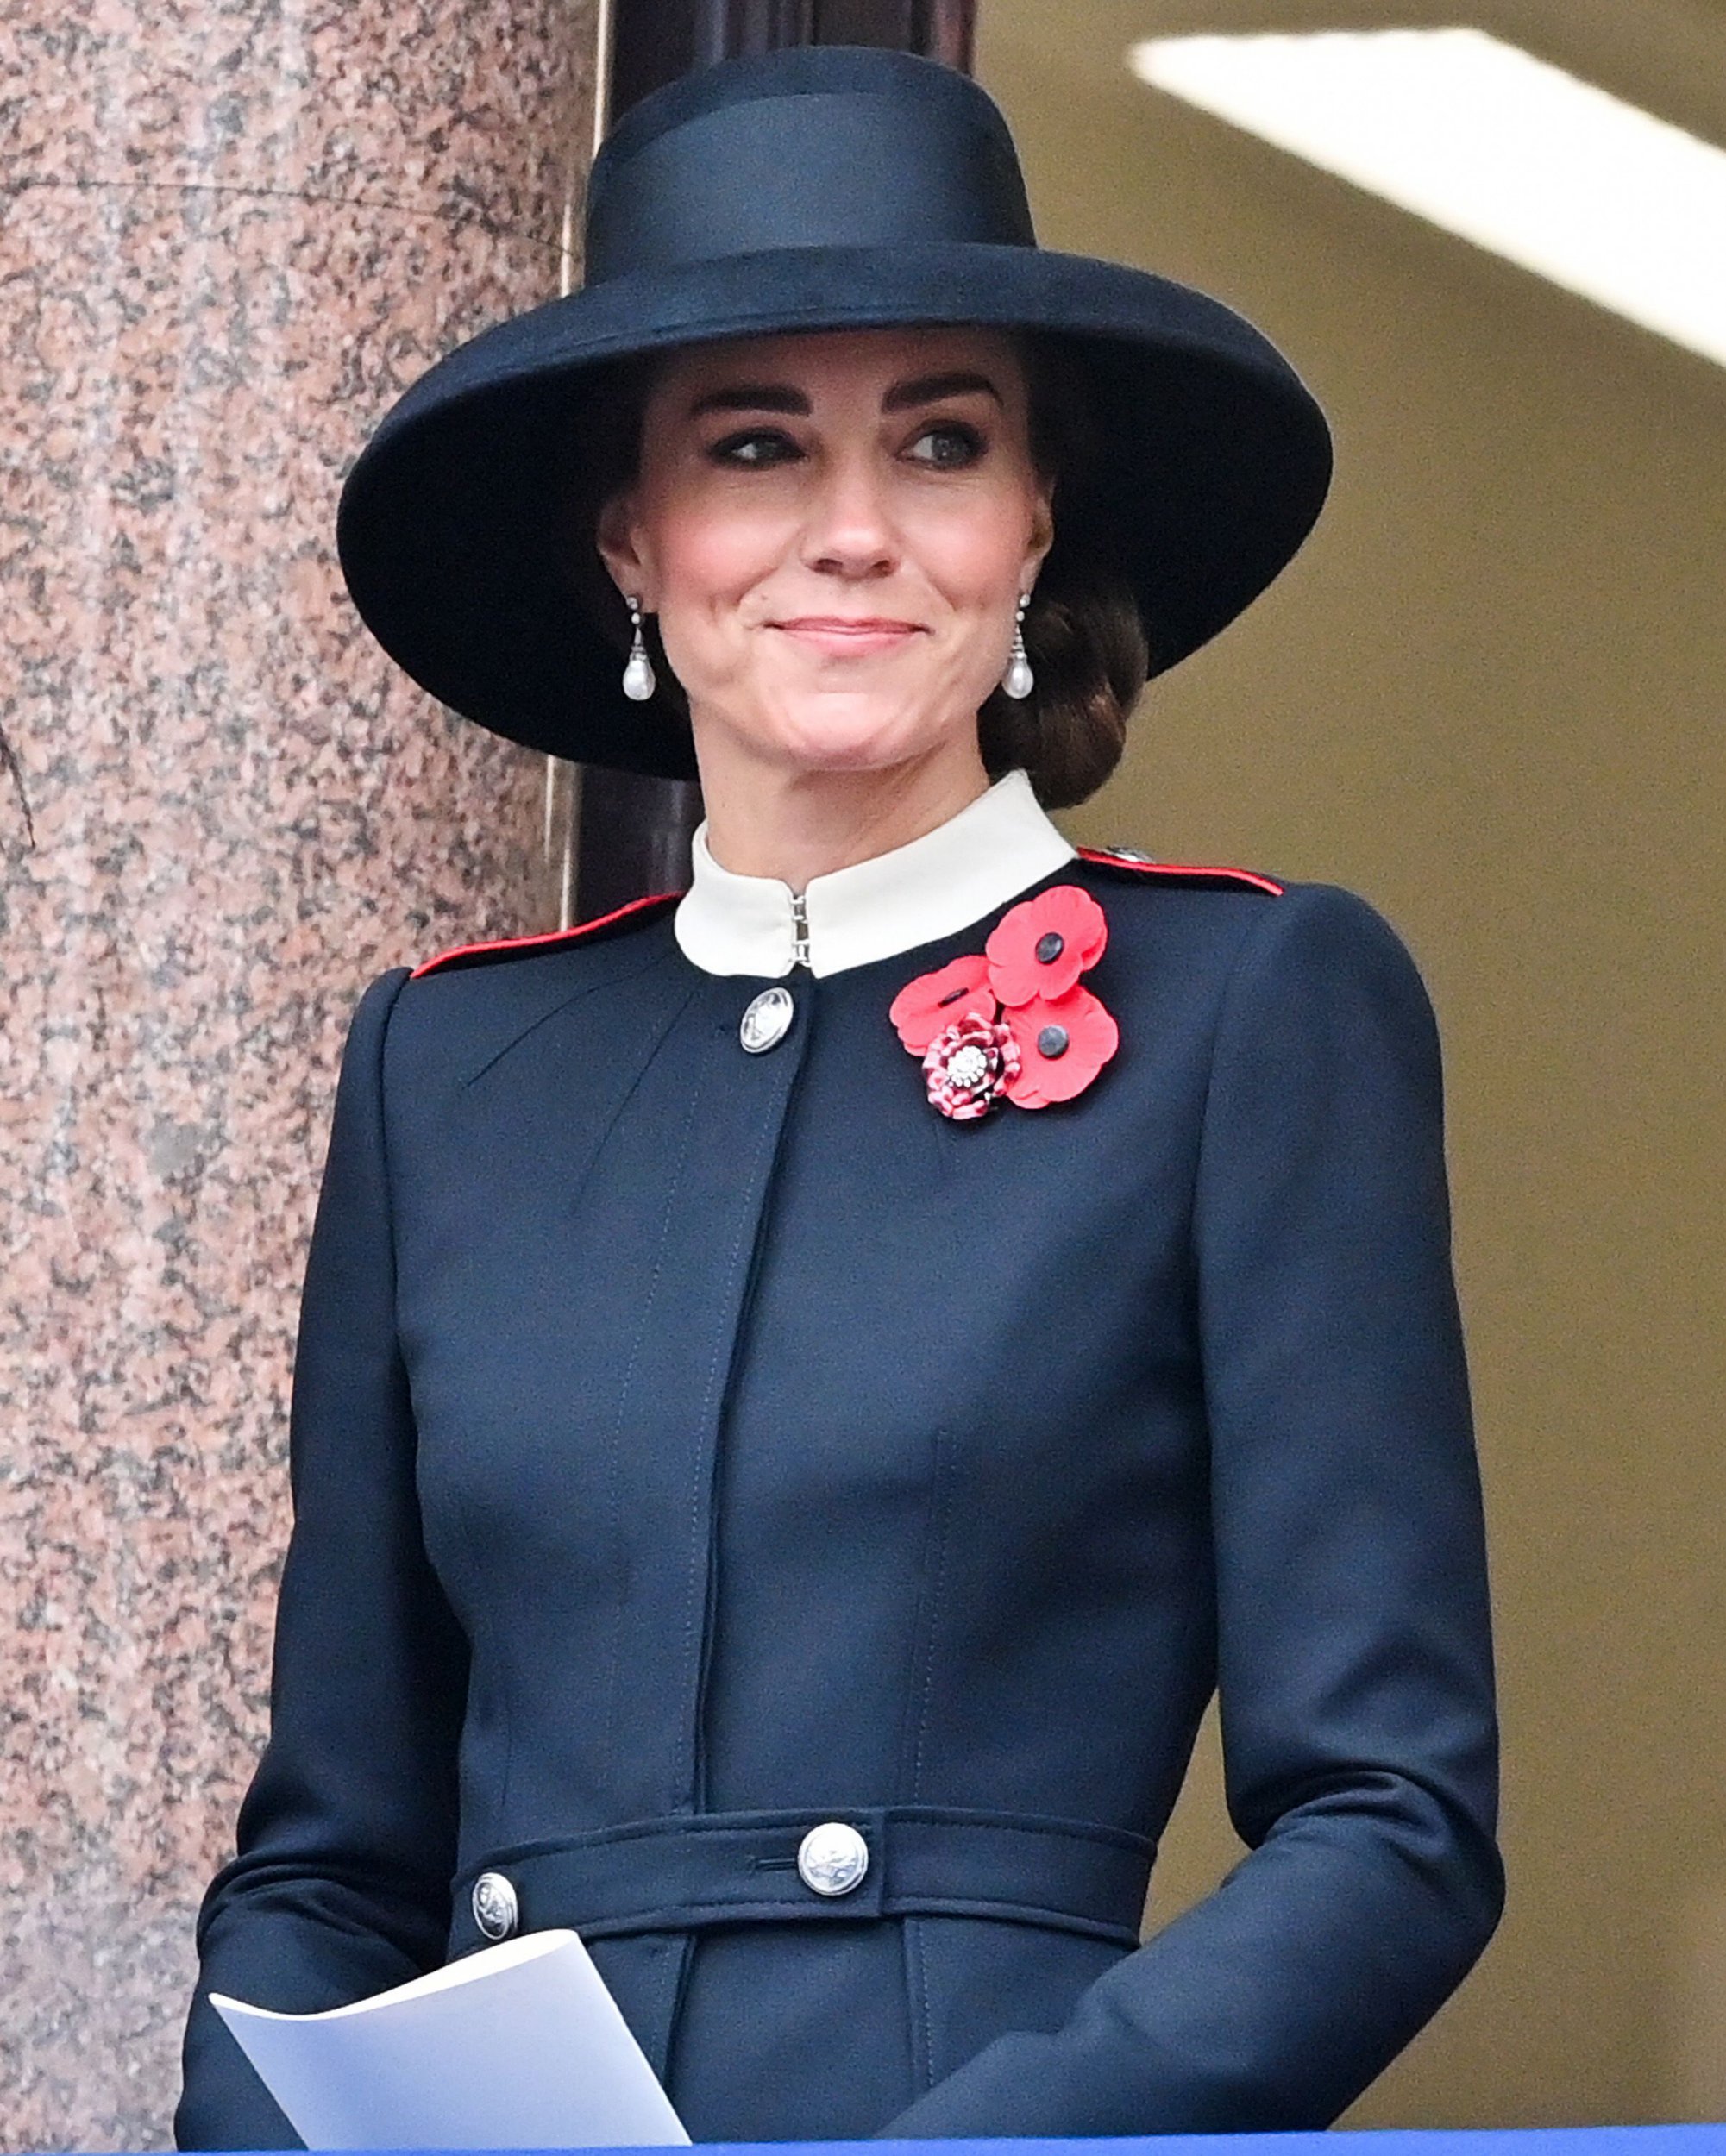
(812, 147)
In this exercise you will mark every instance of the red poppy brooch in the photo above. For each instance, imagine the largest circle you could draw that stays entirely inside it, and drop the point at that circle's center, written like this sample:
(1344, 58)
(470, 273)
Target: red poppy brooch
(1013, 1025)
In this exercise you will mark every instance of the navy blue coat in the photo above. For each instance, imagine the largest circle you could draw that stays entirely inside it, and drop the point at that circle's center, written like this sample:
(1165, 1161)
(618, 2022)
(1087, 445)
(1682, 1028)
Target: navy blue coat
(690, 1447)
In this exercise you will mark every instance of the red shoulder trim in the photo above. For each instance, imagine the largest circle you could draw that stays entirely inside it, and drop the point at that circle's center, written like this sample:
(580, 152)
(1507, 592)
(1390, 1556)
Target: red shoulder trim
(479, 954)
(1249, 877)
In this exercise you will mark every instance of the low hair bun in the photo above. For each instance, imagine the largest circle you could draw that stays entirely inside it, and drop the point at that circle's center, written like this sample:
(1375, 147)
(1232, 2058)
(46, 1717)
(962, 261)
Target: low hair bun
(1087, 647)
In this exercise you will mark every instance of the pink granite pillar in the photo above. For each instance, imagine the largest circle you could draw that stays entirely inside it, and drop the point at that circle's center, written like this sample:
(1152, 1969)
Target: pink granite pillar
(232, 229)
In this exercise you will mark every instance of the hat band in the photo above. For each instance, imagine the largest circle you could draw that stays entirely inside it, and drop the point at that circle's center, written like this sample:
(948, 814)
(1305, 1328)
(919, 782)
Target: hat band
(823, 169)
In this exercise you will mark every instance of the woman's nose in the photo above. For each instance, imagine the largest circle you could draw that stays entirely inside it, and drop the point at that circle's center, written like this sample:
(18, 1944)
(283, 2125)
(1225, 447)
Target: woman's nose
(850, 529)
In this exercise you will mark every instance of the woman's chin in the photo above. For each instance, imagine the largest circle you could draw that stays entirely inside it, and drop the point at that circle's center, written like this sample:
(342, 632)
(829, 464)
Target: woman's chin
(842, 734)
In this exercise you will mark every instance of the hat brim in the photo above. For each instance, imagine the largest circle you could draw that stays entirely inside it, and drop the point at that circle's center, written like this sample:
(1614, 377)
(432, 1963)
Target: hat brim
(454, 534)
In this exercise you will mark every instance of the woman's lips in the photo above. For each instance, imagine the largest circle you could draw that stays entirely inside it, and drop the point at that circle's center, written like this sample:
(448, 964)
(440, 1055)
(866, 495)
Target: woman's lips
(841, 636)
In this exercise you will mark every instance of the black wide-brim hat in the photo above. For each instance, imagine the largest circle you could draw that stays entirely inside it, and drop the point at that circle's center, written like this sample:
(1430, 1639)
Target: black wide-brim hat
(816, 188)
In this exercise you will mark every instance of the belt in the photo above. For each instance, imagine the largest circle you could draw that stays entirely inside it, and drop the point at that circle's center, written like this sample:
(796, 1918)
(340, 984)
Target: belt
(693, 1871)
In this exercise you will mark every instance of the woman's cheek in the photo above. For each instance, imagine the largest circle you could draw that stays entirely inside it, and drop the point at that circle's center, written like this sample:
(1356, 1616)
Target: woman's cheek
(720, 565)
(975, 558)
(701, 655)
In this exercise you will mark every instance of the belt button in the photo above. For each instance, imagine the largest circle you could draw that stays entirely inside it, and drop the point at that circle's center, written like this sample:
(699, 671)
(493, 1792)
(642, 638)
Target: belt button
(496, 1910)
(832, 1858)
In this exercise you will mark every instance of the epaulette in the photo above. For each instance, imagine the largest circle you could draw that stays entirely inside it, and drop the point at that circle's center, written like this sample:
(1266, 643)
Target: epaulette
(636, 913)
(1188, 874)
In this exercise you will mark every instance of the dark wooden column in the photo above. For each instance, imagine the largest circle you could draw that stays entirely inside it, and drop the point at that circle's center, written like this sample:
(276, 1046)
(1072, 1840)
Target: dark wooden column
(634, 833)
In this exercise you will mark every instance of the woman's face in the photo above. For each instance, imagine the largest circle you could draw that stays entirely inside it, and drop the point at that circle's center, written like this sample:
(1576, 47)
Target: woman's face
(834, 531)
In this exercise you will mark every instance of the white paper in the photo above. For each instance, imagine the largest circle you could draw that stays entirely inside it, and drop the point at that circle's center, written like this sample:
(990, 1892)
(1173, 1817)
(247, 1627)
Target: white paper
(518, 2046)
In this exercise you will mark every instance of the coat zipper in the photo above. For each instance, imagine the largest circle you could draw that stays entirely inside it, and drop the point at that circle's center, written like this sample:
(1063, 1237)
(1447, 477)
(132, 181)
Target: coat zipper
(799, 929)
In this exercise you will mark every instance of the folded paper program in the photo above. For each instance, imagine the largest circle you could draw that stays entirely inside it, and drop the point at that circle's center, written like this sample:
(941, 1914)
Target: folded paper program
(518, 2046)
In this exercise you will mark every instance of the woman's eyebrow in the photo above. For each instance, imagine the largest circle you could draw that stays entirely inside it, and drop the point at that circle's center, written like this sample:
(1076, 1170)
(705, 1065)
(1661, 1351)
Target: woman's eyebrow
(753, 397)
(929, 389)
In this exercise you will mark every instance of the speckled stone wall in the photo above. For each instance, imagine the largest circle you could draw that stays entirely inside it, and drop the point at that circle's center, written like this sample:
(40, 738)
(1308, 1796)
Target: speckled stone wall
(232, 229)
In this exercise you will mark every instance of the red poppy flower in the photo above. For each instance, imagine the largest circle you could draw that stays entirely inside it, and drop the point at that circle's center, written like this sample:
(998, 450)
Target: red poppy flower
(968, 1067)
(1042, 946)
(1063, 1041)
(928, 1005)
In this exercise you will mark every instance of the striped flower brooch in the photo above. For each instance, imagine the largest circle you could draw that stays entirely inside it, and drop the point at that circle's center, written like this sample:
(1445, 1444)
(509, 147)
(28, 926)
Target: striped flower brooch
(1014, 1023)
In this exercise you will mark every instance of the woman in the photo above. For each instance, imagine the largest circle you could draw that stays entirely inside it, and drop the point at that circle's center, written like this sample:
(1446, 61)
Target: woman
(805, 1388)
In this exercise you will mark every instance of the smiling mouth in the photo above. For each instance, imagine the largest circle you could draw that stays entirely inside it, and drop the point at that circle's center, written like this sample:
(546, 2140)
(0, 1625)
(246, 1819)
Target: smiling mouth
(853, 624)
(845, 633)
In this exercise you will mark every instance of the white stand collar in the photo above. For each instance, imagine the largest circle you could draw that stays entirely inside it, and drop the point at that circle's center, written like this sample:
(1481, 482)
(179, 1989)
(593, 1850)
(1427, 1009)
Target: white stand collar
(998, 846)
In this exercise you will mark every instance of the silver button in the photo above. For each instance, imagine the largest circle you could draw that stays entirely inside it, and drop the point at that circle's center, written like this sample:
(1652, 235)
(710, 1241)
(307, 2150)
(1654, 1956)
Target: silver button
(496, 1910)
(832, 1858)
(767, 1020)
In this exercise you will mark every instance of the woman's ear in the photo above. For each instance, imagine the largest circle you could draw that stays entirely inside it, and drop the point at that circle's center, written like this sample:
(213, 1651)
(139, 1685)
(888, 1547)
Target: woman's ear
(1042, 527)
(617, 536)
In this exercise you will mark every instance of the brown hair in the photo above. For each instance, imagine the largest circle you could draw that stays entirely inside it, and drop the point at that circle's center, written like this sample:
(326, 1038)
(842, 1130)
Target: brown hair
(1083, 631)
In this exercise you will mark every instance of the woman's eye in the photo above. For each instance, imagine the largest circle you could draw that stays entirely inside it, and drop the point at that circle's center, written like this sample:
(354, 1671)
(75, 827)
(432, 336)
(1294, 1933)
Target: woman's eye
(758, 446)
(949, 445)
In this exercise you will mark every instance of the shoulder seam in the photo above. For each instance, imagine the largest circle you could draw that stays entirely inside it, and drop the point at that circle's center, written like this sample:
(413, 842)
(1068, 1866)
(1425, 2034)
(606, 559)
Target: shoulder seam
(399, 976)
(548, 941)
(1249, 877)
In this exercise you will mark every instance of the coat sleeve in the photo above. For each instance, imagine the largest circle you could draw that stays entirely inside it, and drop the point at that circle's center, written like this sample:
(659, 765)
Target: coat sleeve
(1354, 1657)
(341, 1884)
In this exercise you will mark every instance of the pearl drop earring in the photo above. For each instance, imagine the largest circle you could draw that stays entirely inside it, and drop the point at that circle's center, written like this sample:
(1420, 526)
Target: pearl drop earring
(638, 679)
(1019, 681)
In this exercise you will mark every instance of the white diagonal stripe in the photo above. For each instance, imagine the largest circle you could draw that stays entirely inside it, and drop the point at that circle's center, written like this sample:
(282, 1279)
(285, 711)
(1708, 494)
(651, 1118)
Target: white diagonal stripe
(1485, 141)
